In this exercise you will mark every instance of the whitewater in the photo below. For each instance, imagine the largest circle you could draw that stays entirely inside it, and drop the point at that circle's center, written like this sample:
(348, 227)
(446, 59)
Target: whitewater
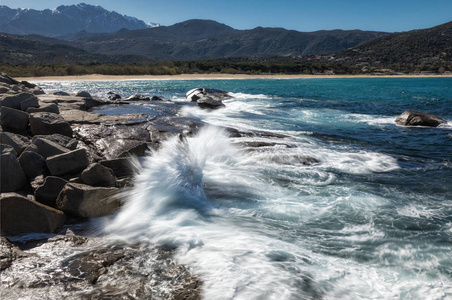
(324, 198)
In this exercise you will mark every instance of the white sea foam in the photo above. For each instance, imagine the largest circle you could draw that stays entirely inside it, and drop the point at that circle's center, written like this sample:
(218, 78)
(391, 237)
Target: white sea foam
(214, 202)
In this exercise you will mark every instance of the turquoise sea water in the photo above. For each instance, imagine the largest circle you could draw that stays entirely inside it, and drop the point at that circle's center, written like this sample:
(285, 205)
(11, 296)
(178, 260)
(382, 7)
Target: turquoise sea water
(348, 206)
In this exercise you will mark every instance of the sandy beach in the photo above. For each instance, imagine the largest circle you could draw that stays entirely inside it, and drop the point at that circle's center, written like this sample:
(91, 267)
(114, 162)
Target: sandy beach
(99, 77)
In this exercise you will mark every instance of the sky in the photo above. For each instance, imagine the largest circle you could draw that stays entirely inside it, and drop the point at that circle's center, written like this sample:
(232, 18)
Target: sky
(301, 15)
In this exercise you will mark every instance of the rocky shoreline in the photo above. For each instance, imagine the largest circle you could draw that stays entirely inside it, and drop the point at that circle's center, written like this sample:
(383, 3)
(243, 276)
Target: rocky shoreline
(62, 164)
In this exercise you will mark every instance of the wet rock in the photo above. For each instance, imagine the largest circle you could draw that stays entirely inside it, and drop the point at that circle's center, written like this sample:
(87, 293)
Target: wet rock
(114, 141)
(60, 93)
(91, 265)
(207, 102)
(68, 163)
(13, 119)
(122, 167)
(14, 101)
(417, 118)
(84, 94)
(157, 98)
(32, 164)
(48, 148)
(12, 177)
(62, 140)
(49, 123)
(52, 108)
(48, 191)
(137, 97)
(9, 253)
(17, 141)
(21, 215)
(86, 201)
(91, 102)
(114, 97)
(207, 98)
(31, 102)
(98, 175)
(198, 93)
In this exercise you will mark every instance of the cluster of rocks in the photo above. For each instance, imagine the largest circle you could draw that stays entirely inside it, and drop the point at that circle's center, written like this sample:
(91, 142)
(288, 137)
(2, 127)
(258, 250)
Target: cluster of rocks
(58, 158)
(135, 97)
(46, 173)
(60, 163)
(208, 98)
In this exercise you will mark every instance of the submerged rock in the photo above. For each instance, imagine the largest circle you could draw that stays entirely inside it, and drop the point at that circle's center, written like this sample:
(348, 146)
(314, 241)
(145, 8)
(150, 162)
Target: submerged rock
(417, 118)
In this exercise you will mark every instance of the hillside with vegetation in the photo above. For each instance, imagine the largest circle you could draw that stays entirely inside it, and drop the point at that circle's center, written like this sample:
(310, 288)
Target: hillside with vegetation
(419, 51)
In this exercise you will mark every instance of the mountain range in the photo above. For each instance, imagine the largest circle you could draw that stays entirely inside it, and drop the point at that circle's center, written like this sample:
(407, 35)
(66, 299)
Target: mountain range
(65, 20)
(92, 34)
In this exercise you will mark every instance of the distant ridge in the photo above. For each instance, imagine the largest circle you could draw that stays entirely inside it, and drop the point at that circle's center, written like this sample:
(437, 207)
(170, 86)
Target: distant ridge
(201, 39)
(65, 20)
(410, 46)
(423, 50)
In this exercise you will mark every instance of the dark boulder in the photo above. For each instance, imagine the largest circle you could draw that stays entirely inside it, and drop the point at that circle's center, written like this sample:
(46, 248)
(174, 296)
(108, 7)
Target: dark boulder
(8, 80)
(60, 93)
(86, 201)
(98, 175)
(91, 102)
(28, 85)
(13, 119)
(198, 93)
(17, 141)
(32, 164)
(49, 123)
(122, 167)
(62, 140)
(48, 148)
(84, 94)
(21, 215)
(31, 102)
(48, 192)
(114, 96)
(68, 163)
(14, 101)
(207, 102)
(52, 108)
(417, 118)
(12, 177)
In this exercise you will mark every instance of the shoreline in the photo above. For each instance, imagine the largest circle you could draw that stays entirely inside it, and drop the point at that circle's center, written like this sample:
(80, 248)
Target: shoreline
(99, 77)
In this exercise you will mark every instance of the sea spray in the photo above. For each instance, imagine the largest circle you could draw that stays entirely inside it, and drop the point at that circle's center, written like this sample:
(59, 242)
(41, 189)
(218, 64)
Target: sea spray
(348, 205)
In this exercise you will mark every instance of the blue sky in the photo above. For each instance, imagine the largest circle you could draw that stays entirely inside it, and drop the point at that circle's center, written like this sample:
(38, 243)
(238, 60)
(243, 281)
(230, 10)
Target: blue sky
(301, 15)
